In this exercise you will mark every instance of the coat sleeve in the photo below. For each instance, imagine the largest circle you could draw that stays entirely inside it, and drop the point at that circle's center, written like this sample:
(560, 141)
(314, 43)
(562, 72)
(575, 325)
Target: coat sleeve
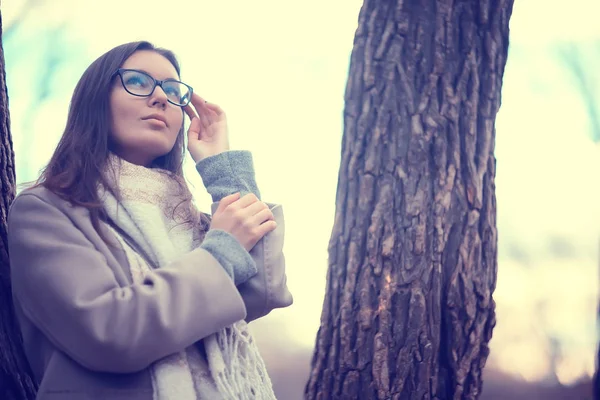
(230, 172)
(66, 288)
(267, 289)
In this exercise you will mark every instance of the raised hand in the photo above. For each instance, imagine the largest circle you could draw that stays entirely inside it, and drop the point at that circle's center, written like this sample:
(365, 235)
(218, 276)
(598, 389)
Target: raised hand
(208, 134)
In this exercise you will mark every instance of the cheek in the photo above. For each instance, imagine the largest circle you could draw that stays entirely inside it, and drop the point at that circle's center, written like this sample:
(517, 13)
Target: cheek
(176, 121)
(120, 112)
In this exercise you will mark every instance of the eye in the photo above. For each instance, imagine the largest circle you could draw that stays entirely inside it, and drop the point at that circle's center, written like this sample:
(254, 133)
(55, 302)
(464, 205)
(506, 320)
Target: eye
(136, 80)
(175, 91)
(172, 91)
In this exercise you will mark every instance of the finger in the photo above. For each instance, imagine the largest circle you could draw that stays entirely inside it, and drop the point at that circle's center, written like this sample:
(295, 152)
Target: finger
(194, 129)
(256, 208)
(246, 200)
(198, 102)
(267, 227)
(228, 200)
(204, 107)
(203, 112)
(215, 108)
(189, 110)
(263, 216)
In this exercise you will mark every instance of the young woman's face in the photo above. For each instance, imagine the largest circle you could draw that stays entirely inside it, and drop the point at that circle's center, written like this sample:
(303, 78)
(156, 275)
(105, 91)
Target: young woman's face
(144, 128)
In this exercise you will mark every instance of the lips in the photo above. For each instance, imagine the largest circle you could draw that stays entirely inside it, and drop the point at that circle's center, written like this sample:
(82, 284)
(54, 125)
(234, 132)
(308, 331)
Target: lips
(155, 117)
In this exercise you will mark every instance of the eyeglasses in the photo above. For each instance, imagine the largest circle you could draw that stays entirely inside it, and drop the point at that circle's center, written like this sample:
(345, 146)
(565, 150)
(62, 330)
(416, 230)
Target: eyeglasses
(141, 84)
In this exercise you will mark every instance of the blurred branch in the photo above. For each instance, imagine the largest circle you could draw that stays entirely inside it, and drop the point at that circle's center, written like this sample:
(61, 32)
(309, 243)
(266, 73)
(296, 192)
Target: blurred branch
(24, 12)
(54, 54)
(572, 56)
(47, 49)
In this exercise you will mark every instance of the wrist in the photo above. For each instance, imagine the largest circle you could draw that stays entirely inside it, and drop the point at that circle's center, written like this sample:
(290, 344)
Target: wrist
(229, 252)
(199, 156)
(228, 172)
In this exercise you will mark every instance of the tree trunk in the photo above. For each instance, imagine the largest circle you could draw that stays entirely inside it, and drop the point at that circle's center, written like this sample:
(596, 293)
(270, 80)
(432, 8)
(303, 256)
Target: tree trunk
(408, 311)
(596, 377)
(15, 375)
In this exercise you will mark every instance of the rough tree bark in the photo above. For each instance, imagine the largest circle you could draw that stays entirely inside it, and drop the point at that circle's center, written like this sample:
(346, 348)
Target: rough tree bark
(408, 311)
(15, 375)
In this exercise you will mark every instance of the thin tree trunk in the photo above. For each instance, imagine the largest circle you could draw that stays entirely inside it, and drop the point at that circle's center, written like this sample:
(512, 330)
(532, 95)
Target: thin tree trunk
(596, 377)
(408, 311)
(15, 375)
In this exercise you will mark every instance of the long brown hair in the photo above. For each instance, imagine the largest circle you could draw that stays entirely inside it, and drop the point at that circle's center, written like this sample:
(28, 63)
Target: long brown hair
(77, 165)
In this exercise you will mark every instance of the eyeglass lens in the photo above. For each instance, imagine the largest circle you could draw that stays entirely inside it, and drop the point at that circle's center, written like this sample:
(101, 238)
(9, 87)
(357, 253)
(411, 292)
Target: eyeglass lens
(141, 84)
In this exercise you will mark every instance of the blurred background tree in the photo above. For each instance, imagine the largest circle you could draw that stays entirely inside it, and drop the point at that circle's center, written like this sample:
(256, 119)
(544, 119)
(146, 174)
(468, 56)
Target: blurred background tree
(582, 62)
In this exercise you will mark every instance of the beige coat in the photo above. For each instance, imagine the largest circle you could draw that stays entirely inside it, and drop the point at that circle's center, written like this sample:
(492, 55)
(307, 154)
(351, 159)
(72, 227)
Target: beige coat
(88, 331)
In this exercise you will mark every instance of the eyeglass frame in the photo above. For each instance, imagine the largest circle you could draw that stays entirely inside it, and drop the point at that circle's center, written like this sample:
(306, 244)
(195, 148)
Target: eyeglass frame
(157, 82)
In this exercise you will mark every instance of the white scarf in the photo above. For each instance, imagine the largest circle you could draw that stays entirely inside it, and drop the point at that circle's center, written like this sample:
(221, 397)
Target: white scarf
(156, 211)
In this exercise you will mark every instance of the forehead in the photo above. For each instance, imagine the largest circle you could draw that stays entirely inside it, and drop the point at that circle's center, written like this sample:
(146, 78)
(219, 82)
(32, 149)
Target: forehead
(151, 62)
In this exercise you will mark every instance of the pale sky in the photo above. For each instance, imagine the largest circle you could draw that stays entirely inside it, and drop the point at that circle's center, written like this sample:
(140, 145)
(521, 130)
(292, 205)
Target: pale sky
(279, 68)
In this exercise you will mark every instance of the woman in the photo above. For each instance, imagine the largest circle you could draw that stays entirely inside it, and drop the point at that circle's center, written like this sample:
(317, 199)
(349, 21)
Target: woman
(121, 287)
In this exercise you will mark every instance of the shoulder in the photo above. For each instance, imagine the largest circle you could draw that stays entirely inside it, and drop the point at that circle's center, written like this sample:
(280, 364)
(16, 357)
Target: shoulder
(38, 213)
(39, 198)
(41, 192)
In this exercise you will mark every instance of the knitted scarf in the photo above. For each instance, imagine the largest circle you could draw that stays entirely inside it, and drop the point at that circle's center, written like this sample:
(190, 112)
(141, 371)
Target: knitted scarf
(155, 211)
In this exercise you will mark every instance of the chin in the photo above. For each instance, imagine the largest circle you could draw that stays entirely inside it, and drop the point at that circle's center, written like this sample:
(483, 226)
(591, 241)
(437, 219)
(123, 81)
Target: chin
(146, 146)
(158, 145)
(151, 151)
(158, 154)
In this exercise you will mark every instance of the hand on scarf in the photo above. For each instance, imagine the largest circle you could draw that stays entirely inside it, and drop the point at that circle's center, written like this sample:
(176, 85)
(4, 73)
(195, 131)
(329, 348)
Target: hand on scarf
(247, 219)
(208, 134)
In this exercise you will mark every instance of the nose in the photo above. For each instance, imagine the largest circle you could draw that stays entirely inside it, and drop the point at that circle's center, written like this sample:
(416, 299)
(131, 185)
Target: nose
(158, 97)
